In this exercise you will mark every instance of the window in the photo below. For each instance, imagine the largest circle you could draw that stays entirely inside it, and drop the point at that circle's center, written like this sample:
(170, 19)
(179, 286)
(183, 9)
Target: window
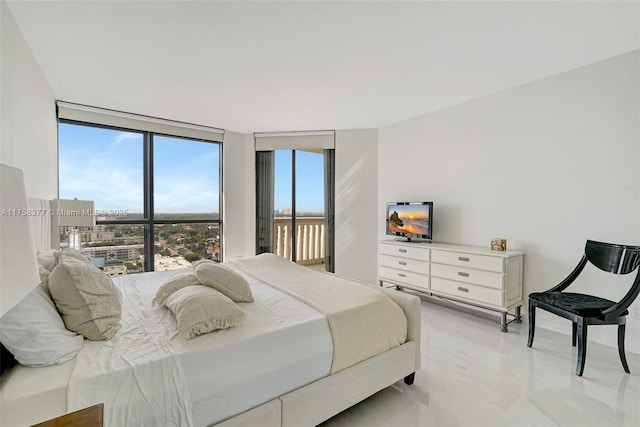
(295, 187)
(157, 196)
(299, 222)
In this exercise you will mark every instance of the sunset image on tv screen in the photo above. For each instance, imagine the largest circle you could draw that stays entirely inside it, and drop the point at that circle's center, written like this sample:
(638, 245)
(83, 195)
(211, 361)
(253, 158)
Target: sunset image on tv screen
(411, 219)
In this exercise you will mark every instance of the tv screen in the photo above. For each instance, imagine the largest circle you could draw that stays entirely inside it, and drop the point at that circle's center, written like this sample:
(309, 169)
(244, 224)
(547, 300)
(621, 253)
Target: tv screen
(411, 221)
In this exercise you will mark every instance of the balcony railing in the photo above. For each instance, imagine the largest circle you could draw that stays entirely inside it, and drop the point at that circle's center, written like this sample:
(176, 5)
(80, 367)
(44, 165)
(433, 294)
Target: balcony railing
(309, 239)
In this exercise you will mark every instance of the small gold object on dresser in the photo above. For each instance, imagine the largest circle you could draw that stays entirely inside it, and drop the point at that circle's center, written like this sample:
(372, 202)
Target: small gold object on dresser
(499, 244)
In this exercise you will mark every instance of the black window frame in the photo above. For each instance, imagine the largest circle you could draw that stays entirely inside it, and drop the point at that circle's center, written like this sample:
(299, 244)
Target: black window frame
(148, 221)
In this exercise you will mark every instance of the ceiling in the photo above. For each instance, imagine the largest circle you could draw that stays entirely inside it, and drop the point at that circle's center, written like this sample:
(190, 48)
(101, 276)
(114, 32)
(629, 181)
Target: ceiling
(300, 65)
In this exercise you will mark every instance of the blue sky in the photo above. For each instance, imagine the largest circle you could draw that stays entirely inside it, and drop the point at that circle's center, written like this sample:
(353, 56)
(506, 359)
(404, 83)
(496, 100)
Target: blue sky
(105, 165)
(309, 181)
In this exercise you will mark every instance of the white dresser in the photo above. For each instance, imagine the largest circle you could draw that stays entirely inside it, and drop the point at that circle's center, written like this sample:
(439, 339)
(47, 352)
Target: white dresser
(469, 274)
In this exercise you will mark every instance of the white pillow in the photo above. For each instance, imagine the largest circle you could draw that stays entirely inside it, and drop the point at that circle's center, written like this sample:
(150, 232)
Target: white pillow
(35, 334)
(72, 253)
(89, 302)
(224, 279)
(44, 276)
(175, 281)
(48, 259)
(200, 310)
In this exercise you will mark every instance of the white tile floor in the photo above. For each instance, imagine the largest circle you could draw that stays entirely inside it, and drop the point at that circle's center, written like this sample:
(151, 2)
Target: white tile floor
(474, 375)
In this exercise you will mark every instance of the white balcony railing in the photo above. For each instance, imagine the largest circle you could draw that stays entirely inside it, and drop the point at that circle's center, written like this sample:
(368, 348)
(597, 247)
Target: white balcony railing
(309, 239)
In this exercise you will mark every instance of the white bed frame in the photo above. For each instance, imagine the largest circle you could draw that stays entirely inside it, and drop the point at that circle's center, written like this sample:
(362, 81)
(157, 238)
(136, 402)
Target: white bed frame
(322, 399)
(306, 406)
(328, 396)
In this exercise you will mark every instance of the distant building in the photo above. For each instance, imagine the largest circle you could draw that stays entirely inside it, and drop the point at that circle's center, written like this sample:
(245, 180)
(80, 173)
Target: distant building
(114, 254)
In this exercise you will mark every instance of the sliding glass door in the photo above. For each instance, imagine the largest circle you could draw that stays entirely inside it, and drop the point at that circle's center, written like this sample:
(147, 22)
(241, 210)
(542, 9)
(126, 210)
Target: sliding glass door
(294, 205)
(299, 210)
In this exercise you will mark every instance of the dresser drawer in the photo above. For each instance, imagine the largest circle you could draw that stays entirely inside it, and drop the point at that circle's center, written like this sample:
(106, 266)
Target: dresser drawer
(408, 277)
(467, 292)
(483, 262)
(407, 264)
(405, 251)
(468, 275)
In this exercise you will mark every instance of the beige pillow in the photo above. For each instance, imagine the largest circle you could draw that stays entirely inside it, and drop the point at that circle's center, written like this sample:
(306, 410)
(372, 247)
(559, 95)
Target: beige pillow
(73, 253)
(90, 304)
(175, 281)
(200, 310)
(48, 259)
(44, 277)
(224, 279)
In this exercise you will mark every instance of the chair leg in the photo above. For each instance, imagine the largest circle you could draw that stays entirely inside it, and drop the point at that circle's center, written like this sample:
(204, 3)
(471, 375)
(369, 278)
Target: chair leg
(532, 322)
(574, 333)
(582, 346)
(623, 359)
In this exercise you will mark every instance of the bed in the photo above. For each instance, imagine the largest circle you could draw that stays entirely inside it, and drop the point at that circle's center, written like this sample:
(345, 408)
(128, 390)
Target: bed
(288, 364)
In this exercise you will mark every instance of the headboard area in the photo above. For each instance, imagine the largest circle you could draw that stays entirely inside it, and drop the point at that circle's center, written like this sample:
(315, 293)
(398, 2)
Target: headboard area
(18, 271)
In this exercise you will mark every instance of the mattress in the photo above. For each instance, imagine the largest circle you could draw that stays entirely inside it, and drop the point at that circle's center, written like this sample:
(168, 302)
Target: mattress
(30, 395)
(219, 375)
(232, 370)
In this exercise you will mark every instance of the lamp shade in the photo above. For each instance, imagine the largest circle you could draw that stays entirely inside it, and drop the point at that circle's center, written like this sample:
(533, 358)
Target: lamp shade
(18, 265)
(73, 212)
(70, 213)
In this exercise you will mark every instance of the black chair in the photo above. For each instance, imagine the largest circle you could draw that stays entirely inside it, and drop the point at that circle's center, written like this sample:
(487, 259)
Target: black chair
(584, 310)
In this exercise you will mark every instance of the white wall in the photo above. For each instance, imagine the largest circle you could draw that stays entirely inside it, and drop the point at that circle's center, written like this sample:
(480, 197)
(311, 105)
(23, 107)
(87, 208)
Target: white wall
(29, 140)
(357, 204)
(356, 200)
(28, 136)
(239, 195)
(546, 165)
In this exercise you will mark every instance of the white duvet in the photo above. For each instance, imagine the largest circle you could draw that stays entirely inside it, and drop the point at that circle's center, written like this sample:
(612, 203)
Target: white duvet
(147, 375)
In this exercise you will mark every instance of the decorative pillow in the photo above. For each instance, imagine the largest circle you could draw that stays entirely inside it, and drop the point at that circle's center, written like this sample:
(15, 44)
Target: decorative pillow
(44, 276)
(200, 310)
(72, 253)
(35, 334)
(89, 302)
(224, 279)
(175, 281)
(48, 259)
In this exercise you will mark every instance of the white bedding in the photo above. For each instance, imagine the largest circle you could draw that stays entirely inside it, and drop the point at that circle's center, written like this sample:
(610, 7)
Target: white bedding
(213, 377)
(232, 370)
(30, 395)
(148, 375)
(363, 321)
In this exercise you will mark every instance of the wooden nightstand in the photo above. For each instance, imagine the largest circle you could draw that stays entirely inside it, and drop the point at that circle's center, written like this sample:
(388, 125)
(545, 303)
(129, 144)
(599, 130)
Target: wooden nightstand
(87, 417)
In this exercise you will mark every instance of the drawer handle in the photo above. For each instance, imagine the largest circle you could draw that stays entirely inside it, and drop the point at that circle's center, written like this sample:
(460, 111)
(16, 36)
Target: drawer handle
(402, 275)
(463, 274)
(402, 263)
(461, 289)
(402, 250)
(463, 258)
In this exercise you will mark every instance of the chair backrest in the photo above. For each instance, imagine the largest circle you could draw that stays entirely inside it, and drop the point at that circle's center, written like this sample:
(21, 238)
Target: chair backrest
(617, 259)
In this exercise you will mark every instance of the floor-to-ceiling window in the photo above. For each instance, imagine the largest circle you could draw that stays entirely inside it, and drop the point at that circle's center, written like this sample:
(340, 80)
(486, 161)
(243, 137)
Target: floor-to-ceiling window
(294, 194)
(157, 196)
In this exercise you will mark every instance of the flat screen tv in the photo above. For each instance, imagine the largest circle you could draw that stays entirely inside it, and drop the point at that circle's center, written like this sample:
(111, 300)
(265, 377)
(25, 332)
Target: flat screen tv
(410, 221)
